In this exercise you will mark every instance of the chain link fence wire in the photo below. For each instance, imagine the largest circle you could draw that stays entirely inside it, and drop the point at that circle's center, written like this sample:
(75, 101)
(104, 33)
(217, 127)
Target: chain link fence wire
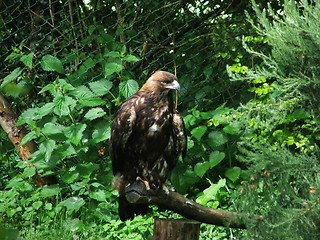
(194, 39)
(179, 36)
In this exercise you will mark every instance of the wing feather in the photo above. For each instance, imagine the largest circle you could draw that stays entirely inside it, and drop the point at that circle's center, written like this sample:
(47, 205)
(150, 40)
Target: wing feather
(179, 131)
(122, 126)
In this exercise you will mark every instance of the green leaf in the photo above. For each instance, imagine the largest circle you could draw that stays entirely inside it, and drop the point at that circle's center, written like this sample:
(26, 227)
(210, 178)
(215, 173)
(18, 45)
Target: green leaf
(131, 58)
(128, 88)
(73, 204)
(27, 60)
(66, 149)
(11, 77)
(113, 54)
(201, 168)
(198, 132)
(28, 137)
(29, 172)
(217, 138)
(33, 114)
(111, 68)
(101, 87)
(98, 195)
(101, 133)
(94, 113)
(51, 63)
(215, 158)
(86, 169)
(63, 105)
(86, 97)
(70, 177)
(211, 192)
(36, 205)
(49, 191)
(233, 173)
(75, 133)
(183, 177)
(232, 129)
(55, 131)
(47, 148)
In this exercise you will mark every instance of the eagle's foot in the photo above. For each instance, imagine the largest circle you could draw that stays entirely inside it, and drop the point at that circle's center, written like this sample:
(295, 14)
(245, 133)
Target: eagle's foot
(146, 183)
(165, 189)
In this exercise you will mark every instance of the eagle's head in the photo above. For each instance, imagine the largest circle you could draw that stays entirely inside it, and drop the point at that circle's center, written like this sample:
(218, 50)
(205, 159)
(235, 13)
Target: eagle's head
(161, 82)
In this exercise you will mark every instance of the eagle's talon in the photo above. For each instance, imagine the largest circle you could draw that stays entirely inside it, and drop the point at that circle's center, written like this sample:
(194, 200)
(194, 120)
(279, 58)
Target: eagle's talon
(146, 183)
(165, 189)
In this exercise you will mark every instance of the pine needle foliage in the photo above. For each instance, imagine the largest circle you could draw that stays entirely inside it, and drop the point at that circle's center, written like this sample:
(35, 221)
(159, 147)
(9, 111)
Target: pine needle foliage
(280, 141)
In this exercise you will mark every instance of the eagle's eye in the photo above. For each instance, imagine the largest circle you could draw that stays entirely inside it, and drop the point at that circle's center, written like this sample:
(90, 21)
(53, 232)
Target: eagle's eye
(167, 81)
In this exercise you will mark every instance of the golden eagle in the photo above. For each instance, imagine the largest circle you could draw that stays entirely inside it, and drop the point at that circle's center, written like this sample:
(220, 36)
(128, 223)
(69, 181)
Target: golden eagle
(147, 137)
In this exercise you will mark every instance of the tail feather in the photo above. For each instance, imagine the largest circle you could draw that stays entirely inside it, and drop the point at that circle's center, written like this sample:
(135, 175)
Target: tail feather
(127, 210)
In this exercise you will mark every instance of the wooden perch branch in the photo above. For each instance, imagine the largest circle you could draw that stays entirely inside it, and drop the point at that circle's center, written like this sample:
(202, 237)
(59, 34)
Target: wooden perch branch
(137, 193)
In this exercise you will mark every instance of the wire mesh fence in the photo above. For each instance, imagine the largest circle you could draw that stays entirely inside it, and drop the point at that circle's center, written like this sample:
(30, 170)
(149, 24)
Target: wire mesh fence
(120, 40)
(179, 36)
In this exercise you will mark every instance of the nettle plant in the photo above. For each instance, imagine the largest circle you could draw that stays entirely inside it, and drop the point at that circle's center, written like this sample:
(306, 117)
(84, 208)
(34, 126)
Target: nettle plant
(70, 123)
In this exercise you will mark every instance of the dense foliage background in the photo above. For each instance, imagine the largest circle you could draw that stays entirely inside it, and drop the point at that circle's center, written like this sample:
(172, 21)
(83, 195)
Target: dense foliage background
(249, 76)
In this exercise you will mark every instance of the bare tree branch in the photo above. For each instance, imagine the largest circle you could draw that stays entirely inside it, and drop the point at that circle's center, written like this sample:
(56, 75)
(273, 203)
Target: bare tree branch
(137, 193)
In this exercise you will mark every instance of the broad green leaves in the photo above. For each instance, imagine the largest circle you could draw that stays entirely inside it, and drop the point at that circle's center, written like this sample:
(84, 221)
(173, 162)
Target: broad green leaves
(52, 63)
(11, 77)
(101, 87)
(214, 159)
(111, 68)
(128, 88)
(198, 132)
(27, 60)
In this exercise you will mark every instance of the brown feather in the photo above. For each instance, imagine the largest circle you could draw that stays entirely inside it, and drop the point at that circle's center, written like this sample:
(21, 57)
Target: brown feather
(147, 137)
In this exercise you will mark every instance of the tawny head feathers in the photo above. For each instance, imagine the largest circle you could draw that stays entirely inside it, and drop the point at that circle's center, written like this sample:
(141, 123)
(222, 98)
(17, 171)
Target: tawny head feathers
(161, 81)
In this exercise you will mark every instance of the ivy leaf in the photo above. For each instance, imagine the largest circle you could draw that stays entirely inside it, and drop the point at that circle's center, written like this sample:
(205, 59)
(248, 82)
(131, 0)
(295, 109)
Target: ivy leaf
(73, 204)
(101, 87)
(36, 205)
(111, 68)
(94, 113)
(11, 77)
(27, 60)
(182, 177)
(215, 158)
(63, 105)
(198, 132)
(201, 168)
(231, 129)
(51, 63)
(217, 138)
(233, 173)
(128, 88)
(75, 133)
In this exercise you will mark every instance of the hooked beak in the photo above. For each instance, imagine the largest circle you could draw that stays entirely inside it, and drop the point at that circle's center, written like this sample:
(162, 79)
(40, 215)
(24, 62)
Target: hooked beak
(174, 85)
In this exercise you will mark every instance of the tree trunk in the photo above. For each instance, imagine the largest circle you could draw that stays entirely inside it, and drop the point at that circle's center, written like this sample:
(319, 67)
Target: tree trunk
(8, 121)
(176, 229)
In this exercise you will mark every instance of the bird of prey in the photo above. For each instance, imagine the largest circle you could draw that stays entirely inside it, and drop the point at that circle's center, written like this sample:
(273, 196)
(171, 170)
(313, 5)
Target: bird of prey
(147, 138)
